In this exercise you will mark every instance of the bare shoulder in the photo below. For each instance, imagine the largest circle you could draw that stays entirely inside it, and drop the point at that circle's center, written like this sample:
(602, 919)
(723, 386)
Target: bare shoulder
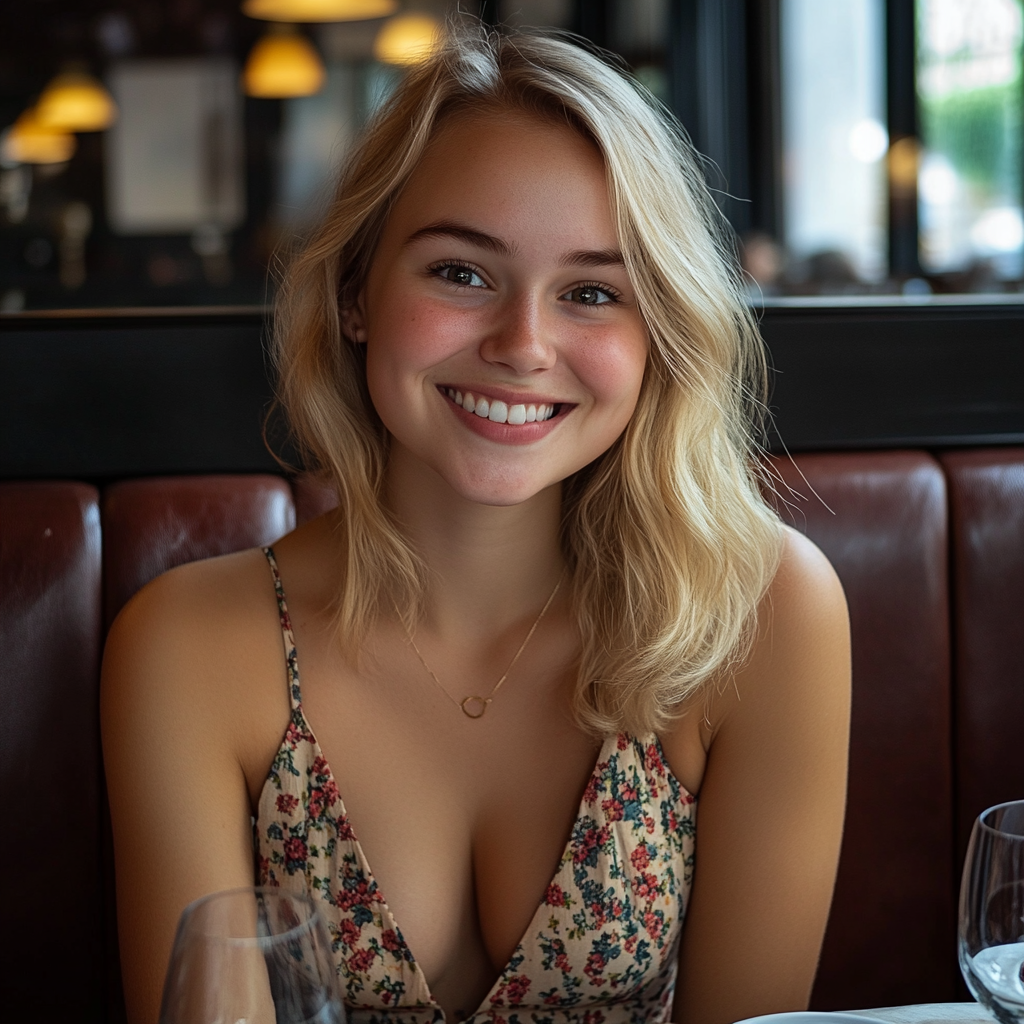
(191, 650)
(801, 647)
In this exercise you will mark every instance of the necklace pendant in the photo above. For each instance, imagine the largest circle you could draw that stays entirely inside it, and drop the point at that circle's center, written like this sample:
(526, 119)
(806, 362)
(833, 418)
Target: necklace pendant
(474, 707)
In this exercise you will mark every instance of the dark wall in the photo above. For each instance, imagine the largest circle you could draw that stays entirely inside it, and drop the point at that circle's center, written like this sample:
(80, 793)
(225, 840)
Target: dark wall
(106, 396)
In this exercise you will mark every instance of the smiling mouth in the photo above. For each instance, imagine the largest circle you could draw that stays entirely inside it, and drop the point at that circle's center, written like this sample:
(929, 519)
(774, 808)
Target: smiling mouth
(497, 411)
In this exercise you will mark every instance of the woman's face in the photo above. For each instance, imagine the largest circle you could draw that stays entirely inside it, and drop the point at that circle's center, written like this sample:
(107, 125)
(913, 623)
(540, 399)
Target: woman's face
(498, 276)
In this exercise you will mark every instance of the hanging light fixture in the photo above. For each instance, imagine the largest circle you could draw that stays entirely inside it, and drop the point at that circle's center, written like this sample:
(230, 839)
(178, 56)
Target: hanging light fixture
(282, 64)
(318, 10)
(29, 142)
(76, 102)
(407, 39)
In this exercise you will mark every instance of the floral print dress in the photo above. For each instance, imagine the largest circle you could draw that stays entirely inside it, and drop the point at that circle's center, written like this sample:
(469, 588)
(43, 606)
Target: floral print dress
(603, 945)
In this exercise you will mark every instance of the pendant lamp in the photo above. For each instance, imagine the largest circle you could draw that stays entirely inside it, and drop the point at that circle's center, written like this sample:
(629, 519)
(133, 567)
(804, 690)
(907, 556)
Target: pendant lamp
(318, 10)
(407, 39)
(283, 64)
(76, 102)
(29, 142)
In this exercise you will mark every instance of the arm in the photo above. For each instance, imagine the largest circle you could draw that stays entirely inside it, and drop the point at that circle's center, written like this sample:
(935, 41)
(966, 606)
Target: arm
(179, 801)
(770, 814)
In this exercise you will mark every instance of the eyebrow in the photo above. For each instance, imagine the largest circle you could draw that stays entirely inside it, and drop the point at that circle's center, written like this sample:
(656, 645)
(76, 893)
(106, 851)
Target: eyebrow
(450, 229)
(576, 258)
(593, 258)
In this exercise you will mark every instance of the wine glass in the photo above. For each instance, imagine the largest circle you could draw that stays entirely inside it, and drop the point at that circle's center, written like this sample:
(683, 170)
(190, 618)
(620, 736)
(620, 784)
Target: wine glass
(992, 912)
(252, 956)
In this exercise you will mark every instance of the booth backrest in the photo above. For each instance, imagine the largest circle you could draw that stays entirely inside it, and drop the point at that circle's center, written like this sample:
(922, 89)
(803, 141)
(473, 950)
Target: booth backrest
(930, 551)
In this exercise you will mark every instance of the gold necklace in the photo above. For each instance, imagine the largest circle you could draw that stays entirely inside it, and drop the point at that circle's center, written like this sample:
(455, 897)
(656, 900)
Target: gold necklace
(473, 706)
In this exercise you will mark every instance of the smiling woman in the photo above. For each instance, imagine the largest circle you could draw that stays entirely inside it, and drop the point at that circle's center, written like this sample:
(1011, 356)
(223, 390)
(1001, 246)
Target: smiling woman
(550, 609)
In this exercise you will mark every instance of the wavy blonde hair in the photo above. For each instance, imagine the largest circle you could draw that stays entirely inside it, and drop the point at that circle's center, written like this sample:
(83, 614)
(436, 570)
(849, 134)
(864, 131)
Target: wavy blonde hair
(668, 540)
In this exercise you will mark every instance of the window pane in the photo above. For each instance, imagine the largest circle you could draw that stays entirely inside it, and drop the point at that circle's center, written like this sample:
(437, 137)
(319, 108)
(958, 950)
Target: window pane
(969, 90)
(834, 141)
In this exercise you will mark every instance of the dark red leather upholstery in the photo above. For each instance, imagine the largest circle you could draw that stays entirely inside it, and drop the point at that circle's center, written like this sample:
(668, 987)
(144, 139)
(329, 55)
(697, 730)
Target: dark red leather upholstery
(881, 520)
(151, 526)
(987, 515)
(891, 936)
(51, 630)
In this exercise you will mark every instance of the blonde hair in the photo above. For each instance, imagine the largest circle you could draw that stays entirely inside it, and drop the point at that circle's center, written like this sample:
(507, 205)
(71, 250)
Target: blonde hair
(668, 540)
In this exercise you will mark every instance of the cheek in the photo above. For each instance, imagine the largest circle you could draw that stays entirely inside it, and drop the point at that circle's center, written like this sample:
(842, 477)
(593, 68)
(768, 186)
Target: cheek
(411, 334)
(613, 371)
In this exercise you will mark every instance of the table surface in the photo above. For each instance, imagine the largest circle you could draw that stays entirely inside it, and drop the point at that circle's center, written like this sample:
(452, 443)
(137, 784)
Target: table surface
(931, 1013)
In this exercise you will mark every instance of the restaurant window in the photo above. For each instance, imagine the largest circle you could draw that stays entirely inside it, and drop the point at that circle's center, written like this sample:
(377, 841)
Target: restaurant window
(856, 146)
(970, 95)
(834, 142)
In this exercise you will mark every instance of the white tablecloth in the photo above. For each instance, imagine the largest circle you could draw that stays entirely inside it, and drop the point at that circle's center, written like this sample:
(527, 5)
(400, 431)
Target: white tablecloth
(932, 1013)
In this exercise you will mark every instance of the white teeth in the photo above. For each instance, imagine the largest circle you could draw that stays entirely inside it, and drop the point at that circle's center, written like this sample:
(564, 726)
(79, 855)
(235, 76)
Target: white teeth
(498, 411)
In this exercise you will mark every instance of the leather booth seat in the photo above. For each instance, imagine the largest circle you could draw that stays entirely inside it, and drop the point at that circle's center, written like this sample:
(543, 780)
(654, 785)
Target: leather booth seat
(931, 554)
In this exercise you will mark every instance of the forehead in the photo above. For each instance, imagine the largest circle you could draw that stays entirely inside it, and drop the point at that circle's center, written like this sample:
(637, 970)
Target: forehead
(509, 169)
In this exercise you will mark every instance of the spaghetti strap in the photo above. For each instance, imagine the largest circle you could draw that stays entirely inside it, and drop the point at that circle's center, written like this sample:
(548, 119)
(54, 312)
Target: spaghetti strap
(288, 637)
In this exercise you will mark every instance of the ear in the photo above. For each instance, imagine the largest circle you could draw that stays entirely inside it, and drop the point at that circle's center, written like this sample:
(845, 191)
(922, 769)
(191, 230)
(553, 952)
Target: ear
(353, 323)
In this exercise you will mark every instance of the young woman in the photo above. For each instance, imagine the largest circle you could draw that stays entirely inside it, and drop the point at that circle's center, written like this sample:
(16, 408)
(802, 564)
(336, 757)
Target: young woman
(551, 613)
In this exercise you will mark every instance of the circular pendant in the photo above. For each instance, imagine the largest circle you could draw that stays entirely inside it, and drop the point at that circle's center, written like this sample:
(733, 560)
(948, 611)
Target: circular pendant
(474, 707)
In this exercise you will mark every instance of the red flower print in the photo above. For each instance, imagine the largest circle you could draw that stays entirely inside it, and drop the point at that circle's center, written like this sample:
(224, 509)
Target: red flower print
(622, 741)
(517, 987)
(595, 965)
(264, 869)
(319, 766)
(590, 793)
(649, 824)
(646, 886)
(562, 963)
(640, 857)
(358, 896)
(554, 897)
(361, 961)
(349, 932)
(591, 840)
(630, 943)
(673, 822)
(344, 829)
(286, 803)
(294, 851)
(653, 923)
(316, 803)
(654, 761)
(593, 1017)
(389, 940)
(612, 809)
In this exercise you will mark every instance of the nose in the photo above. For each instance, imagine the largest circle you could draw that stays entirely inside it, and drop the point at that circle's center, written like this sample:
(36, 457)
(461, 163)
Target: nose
(522, 338)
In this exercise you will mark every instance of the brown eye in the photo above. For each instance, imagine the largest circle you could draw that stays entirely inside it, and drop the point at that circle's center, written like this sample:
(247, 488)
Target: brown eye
(590, 295)
(457, 273)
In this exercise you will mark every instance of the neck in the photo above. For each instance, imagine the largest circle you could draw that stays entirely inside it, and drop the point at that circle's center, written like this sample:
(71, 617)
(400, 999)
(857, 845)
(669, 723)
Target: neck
(490, 565)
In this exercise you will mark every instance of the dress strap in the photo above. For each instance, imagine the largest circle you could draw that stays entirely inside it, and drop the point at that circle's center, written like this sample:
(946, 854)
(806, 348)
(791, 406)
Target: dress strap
(290, 655)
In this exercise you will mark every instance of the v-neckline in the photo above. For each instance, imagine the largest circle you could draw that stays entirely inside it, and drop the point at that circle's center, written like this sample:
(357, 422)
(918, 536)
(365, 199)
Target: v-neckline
(298, 712)
(386, 913)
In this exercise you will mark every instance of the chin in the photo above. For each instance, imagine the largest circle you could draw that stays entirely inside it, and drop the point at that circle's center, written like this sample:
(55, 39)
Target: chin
(498, 491)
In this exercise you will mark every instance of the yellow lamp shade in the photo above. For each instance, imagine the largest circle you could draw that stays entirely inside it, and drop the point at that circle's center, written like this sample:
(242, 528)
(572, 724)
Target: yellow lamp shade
(29, 142)
(407, 39)
(76, 102)
(318, 10)
(283, 64)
